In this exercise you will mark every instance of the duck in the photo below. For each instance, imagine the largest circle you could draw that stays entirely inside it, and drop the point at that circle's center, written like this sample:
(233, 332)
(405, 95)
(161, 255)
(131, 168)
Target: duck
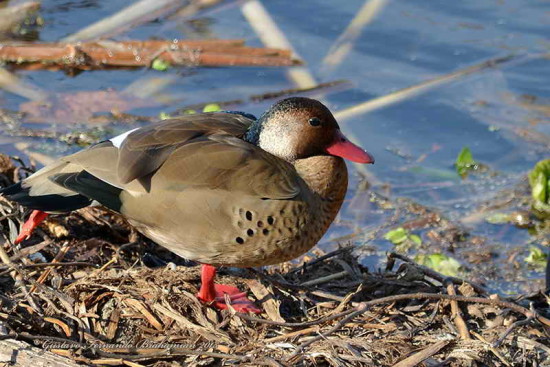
(219, 188)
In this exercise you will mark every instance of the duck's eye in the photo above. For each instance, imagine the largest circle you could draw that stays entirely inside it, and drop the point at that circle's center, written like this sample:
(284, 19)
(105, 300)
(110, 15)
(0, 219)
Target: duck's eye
(314, 121)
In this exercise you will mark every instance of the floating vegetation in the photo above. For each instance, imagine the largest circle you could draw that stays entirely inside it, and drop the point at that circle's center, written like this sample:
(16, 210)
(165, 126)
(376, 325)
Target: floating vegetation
(439, 262)
(403, 239)
(465, 162)
(539, 179)
(537, 258)
(212, 107)
(160, 65)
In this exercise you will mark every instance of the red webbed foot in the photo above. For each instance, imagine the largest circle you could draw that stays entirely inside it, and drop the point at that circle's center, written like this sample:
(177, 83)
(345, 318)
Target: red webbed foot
(215, 294)
(34, 221)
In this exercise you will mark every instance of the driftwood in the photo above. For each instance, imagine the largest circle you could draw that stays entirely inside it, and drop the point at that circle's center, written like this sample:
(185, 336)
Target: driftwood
(105, 54)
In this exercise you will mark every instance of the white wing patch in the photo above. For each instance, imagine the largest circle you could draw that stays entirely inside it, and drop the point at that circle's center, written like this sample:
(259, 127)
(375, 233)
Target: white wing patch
(119, 139)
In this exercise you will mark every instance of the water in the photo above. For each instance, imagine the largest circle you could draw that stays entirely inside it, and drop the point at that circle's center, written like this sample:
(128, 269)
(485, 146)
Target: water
(415, 142)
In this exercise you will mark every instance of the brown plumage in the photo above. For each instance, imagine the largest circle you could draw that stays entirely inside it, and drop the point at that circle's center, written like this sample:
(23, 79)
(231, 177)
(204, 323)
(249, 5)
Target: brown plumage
(217, 188)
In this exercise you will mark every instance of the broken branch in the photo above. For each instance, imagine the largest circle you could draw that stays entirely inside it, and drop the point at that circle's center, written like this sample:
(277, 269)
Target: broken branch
(105, 54)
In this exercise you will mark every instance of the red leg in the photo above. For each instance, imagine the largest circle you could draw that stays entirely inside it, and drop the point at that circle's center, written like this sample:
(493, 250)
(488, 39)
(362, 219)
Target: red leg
(34, 220)
(215, 293)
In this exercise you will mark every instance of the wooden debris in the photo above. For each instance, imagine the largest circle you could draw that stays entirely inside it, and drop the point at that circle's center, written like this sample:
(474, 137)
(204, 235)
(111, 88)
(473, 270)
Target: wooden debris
(42, 278)
(457, 314)
(425, 353)
(140, 307)
(267, 299)
(66, 329)
(112, 327)
(105, 54)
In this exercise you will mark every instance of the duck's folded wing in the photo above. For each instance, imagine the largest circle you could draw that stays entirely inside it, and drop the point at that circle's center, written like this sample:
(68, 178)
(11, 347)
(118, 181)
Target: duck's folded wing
(143, 151)
(227, 163)
(172, 157)
(129, 158)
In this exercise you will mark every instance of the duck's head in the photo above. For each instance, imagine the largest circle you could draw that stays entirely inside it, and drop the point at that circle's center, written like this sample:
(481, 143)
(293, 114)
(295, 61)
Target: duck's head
(296, 128)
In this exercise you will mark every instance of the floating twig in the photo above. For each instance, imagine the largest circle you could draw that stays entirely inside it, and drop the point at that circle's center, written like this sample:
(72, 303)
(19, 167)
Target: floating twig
(105, 54)
(272, 36)
(344, 44)
(13, 84)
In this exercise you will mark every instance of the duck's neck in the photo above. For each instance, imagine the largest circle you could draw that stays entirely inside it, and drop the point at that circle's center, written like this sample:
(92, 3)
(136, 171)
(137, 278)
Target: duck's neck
(326, 176)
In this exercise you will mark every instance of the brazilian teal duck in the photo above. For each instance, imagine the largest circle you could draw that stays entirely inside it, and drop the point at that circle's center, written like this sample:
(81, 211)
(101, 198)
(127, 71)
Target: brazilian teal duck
(220, 188)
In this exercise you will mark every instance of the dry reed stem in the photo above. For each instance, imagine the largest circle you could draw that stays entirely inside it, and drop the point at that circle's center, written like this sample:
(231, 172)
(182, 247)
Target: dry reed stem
(11, 83)
(272, 36)
(412, 91)
(344, 43)
(131, 16)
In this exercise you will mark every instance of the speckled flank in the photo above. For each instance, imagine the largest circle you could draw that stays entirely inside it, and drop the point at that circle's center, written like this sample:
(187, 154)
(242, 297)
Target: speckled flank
(286, 229)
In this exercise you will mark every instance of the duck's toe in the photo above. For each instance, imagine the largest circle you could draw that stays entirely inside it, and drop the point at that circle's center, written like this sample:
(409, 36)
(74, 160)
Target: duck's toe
(238, 299)
(34, 220)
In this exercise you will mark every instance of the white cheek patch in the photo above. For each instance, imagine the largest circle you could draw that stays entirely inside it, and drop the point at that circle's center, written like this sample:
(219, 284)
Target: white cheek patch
(118, 140)
(278, 143)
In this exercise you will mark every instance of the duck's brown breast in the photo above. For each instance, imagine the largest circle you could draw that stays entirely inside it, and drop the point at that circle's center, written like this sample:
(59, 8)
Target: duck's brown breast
(221, 228)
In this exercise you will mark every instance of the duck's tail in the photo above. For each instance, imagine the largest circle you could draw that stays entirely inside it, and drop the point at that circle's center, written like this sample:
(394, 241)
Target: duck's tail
(73, 182)
(39, 192)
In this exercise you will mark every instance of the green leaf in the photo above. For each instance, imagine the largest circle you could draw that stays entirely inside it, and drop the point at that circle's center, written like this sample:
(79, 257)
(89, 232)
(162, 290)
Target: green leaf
(416, 239)
(189, 112)
(539, 179)
(536, 257)
(397, 236)
(160, 65)
(465, 157)
(212, 107)
(164, 116)
(465, 162)
(439, 262)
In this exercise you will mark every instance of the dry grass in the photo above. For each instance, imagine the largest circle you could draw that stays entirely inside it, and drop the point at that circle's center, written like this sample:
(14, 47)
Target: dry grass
(87, 287)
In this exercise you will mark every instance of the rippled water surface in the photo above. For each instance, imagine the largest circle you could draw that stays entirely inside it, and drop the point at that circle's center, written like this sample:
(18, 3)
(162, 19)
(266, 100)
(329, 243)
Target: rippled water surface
(502, 113)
